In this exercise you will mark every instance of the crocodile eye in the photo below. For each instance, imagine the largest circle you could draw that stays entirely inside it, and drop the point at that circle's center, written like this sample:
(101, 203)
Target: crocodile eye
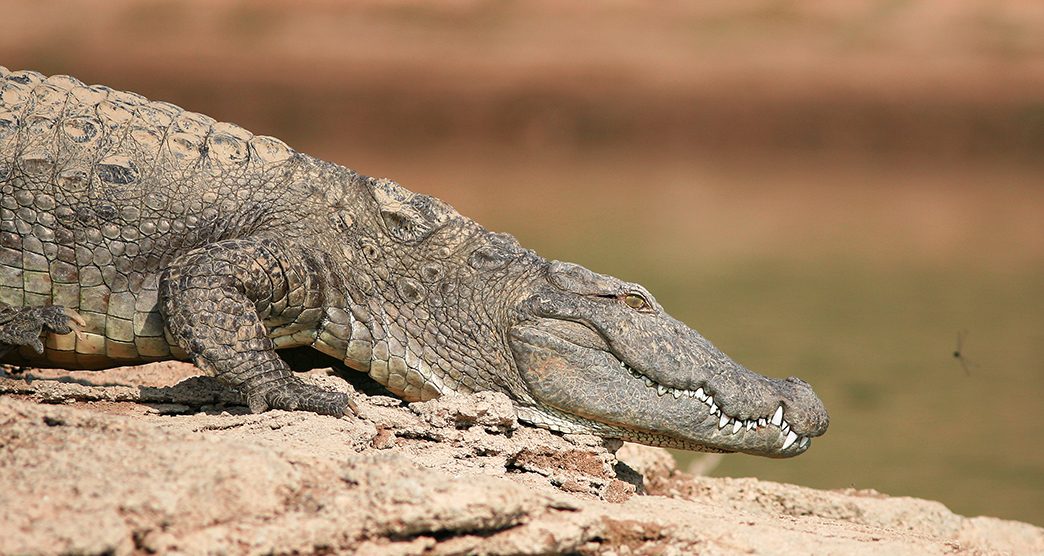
(636, 301)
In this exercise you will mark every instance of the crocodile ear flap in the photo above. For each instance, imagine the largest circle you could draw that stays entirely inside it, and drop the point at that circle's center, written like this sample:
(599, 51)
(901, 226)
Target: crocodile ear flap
(407, 216)
(574, 278)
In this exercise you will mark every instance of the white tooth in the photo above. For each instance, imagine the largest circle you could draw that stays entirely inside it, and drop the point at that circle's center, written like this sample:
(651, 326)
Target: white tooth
(762, 422)
(736, 426)
(777, 417)
(649, 382)
(723, 421)
(690, 393)
(676, 393)
(661, 389)
(791, 437)
(803, 442)
(700, 394)
(714, 408)
(785, 428)
(751, 424)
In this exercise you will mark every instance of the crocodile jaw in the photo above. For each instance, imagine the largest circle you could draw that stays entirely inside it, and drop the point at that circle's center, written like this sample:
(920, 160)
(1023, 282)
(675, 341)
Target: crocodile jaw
(580, 386)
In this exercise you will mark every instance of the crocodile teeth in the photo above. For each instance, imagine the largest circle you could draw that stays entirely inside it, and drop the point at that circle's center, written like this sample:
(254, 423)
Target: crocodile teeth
(723, 418)
(777, 417)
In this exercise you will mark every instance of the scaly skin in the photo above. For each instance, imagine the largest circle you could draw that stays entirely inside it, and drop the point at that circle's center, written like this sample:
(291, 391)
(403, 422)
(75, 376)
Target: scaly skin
(134, 231)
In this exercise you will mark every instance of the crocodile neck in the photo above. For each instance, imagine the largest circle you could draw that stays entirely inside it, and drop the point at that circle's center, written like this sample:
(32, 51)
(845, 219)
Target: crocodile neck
(406, 313)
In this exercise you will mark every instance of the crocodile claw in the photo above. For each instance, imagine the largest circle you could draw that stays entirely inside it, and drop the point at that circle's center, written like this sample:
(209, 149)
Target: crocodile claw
(75, 317)
(24, 326)
(298, 395)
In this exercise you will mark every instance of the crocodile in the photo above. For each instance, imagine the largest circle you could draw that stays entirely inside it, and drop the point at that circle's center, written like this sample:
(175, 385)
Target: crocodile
(134, 231)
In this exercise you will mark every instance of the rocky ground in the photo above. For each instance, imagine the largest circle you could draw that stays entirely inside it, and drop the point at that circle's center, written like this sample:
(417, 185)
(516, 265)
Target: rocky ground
(157, 460)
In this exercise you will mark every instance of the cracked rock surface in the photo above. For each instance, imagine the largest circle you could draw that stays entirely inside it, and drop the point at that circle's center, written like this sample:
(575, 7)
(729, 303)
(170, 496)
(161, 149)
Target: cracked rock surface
(158, 460)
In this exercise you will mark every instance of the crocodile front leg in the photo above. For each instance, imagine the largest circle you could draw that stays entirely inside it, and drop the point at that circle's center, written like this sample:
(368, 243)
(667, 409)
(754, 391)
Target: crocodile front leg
(23, 326)
(223, 301)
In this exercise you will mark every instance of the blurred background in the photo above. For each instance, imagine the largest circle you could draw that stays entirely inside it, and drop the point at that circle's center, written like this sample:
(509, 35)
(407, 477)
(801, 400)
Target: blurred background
(837, 190)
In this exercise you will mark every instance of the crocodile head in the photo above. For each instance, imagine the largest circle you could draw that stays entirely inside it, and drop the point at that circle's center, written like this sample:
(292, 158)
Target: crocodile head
(576, 351)
(600, 356)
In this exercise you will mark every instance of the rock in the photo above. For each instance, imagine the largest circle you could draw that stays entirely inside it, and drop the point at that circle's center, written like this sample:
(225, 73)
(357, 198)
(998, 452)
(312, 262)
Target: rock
(176, 468)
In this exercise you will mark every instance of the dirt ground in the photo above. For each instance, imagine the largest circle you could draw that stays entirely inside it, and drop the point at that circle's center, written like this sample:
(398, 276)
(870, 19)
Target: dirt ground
(157, 460)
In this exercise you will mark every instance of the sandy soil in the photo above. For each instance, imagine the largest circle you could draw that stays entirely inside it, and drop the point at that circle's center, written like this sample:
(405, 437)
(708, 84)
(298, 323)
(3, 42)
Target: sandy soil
(157, 460)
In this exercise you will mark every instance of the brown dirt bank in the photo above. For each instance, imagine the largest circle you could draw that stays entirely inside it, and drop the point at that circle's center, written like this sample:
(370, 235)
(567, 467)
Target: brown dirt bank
(891, 78)
(152, 460)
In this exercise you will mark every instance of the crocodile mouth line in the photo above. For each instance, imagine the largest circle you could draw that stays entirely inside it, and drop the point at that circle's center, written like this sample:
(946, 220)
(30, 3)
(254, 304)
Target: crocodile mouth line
(725, 421)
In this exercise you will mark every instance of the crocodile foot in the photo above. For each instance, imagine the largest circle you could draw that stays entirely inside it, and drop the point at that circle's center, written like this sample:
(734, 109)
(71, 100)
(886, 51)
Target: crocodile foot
(24, 326)
(297, 395)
